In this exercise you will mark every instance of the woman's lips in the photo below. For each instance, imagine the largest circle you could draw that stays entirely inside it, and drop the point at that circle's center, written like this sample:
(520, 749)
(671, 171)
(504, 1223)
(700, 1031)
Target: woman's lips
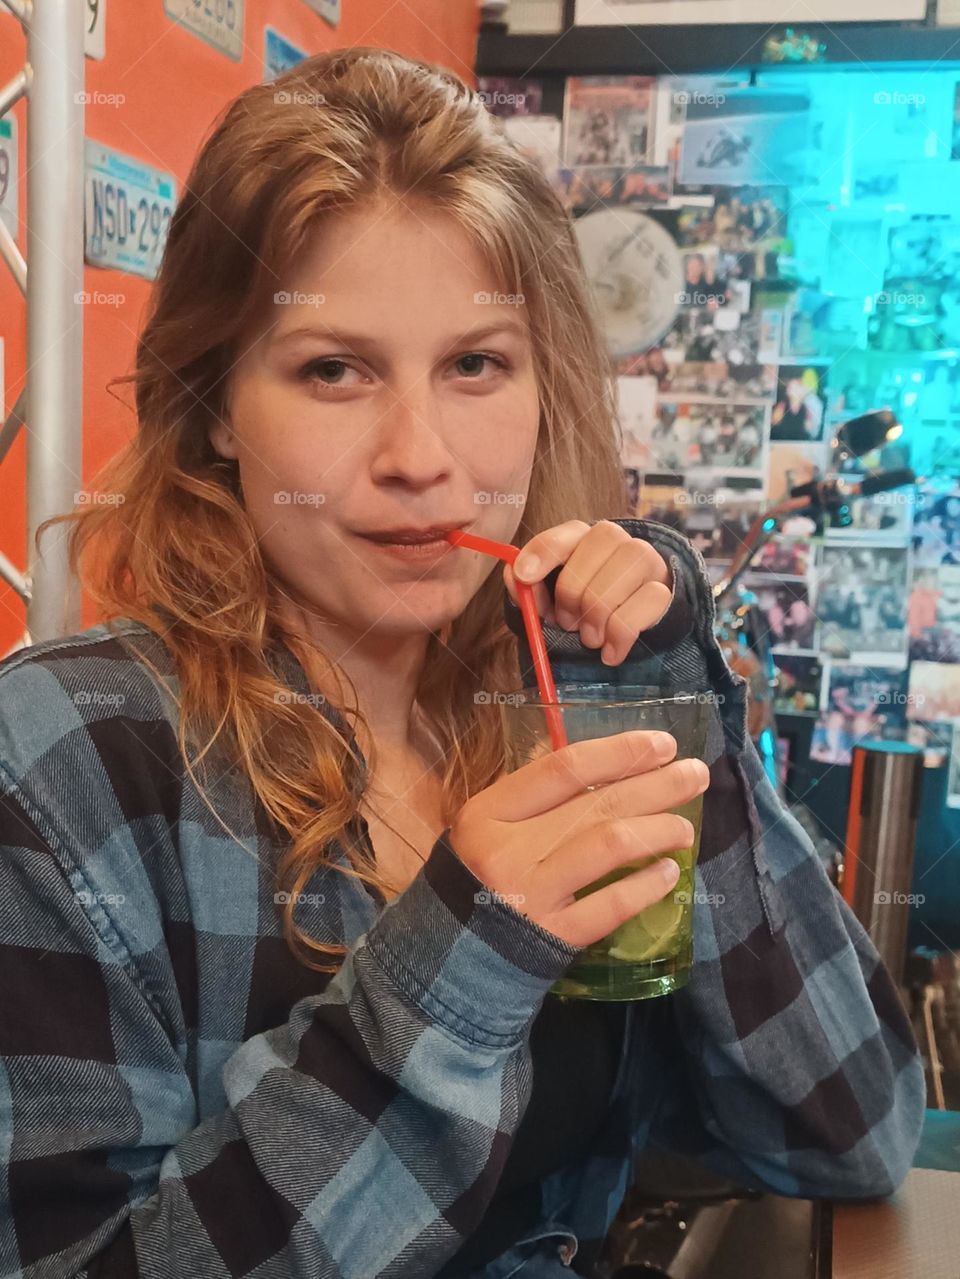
(417, 551)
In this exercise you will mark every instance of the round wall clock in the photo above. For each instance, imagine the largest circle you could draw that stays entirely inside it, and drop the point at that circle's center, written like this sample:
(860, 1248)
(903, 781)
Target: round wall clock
(636, 272)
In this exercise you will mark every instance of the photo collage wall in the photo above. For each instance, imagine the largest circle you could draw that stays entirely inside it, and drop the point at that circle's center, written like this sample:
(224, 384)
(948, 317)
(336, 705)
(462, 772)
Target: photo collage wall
(800, 266)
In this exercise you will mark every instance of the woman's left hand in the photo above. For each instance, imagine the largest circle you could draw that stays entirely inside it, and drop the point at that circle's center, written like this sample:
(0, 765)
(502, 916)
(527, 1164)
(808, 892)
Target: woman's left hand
(612, 588)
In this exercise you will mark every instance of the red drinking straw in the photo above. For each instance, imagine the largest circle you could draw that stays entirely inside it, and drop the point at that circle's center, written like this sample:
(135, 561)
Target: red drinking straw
(531, 621)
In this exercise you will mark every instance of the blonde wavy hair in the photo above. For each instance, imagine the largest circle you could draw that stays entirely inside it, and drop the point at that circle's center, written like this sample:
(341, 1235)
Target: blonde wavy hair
(177, 550)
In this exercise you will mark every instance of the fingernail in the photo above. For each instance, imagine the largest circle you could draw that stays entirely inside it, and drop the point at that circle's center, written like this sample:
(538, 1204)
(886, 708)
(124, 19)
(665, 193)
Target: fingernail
(592, 635)
(662, 743)
(670, 871)
(697, 771)
(527, 566)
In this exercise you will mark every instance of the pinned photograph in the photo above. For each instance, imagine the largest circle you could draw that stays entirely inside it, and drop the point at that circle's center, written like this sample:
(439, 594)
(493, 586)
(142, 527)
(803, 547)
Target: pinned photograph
(797, 690)
(582, 190)
(861, 600)
(791, 465)
(936, 525)
(721, 381)
(721, 339)
(631, 491)
(784, 557)
(663, 499)
(934, 691)
(698, 436)
(861, 703)
(638, 420)
(933, 739)
(736, 510)
(703, 283)
(538, 137)
(791, 622)
(754, 137)
(743, 220)
(933, 614)
(835, 735)
(881, 517)
(607, 120)
(858, 690)
(508, 95)
(798, 413)
(953, 776)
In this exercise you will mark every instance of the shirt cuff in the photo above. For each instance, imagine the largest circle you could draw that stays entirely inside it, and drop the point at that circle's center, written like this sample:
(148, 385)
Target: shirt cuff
(464, 954)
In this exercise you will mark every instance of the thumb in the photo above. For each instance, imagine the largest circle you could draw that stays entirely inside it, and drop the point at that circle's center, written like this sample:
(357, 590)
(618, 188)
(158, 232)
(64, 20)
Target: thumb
(541, 595)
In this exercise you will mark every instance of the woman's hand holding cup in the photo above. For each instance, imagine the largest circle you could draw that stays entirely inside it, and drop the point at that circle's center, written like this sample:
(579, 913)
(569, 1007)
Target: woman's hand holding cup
(539, 835)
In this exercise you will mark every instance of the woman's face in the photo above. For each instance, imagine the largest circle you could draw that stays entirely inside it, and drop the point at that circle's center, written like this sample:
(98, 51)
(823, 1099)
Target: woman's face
(411, 401)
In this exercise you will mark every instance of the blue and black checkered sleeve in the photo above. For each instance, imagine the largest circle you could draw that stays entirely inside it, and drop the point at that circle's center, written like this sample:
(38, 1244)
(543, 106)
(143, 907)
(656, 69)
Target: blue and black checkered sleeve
(787, 1062)
(362, 1136)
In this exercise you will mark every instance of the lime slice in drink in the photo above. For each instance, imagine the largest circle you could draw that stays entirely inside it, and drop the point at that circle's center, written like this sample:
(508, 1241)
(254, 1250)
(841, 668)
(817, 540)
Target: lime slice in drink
(648, 936)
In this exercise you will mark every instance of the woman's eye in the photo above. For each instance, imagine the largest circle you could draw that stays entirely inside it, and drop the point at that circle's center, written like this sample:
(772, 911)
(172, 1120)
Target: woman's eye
(476, 360)
(327, 371)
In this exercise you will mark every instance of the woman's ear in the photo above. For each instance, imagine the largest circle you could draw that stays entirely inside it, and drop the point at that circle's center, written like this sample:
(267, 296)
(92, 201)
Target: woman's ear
(223, 439)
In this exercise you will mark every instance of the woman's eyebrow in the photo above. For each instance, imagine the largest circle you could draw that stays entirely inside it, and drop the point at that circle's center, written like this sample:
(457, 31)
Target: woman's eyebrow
(357, 341)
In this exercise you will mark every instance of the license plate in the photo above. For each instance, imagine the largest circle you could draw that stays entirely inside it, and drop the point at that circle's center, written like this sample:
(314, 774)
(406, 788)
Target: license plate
(329, 9)
(8, 173)
(278, 54)
(219, 22)
(128, 207)
(95, 25)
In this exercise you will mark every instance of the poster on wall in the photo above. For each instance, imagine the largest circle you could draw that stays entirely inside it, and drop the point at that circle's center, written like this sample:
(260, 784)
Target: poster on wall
(218, 22)
(615, 13)
(127, 210)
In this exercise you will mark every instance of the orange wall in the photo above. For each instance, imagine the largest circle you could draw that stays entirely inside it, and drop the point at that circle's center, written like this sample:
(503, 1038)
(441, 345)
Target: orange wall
(173, 85)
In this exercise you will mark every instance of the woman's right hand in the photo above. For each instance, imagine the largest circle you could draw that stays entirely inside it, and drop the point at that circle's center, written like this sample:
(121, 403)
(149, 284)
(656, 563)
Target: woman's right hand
(538, 835)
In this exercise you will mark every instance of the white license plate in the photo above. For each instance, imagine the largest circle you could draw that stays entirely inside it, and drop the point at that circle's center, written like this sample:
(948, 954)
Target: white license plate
(95, 26)
(219, 22)
(329, 9)
(8, 173)
(128, 207)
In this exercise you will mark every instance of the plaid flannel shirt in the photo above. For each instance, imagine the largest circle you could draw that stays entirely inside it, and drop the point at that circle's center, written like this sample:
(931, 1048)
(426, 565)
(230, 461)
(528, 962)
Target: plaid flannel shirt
(180, 1097)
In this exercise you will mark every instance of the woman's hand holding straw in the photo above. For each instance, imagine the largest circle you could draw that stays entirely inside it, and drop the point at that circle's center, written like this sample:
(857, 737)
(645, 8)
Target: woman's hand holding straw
(531, 621)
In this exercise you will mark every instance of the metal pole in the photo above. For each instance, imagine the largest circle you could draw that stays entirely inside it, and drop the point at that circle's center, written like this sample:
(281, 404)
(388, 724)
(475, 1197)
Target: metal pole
(885, 785)
(54, 316)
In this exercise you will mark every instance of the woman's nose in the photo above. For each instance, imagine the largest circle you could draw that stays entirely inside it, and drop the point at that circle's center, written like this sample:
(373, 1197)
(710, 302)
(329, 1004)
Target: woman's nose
(410, 443)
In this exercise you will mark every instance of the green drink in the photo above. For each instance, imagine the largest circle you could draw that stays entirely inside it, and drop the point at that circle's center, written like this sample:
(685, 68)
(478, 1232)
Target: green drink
(652, 953)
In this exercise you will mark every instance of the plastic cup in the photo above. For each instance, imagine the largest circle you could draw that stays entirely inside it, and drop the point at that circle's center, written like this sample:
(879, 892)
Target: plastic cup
(652, 953)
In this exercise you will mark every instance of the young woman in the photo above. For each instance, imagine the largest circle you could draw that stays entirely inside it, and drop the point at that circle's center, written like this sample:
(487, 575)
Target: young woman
(276, 927)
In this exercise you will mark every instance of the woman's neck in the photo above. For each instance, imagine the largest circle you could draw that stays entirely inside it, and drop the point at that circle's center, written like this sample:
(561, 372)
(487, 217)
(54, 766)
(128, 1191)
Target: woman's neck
(384, 672)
